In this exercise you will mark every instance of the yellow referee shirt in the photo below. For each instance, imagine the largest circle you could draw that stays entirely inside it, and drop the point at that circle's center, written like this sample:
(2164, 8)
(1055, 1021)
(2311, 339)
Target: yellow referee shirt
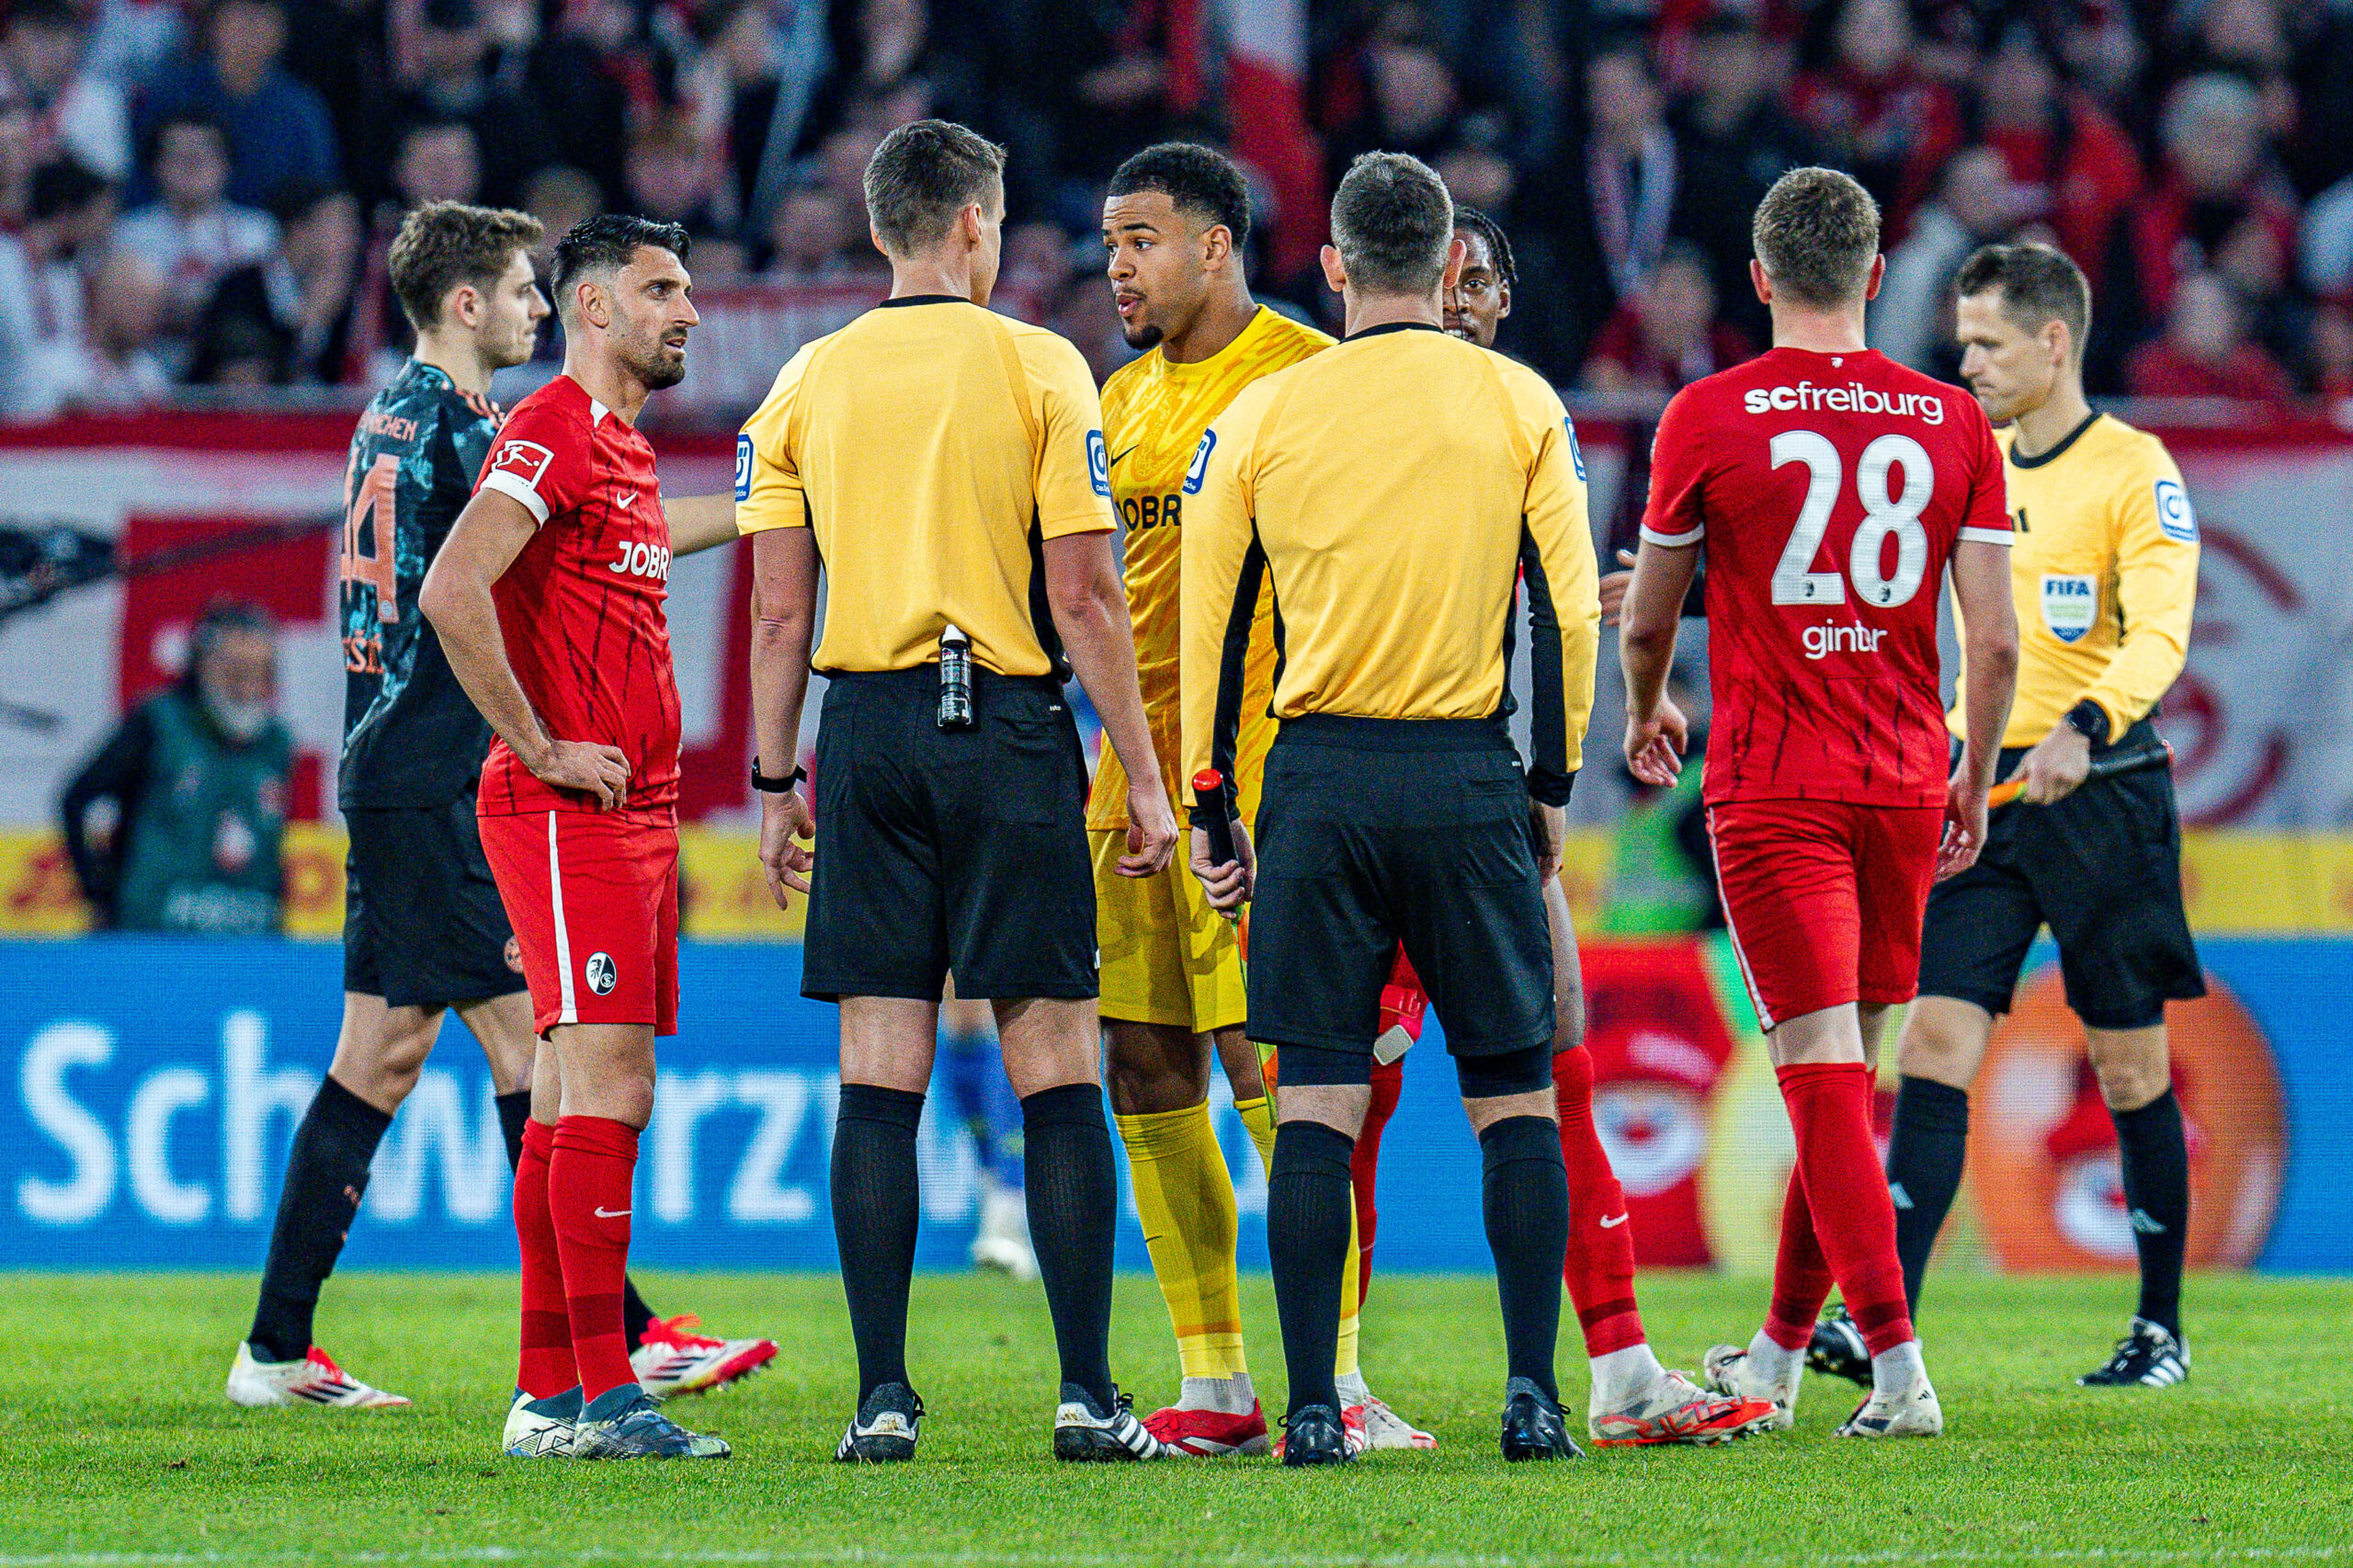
(931, 444)
(1392, 489)
(1153, 414)
(2103, 569)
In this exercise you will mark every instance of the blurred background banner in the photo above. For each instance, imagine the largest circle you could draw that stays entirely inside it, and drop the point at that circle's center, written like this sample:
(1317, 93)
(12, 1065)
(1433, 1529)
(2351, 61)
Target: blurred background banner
(155, 1085)
(189, 508)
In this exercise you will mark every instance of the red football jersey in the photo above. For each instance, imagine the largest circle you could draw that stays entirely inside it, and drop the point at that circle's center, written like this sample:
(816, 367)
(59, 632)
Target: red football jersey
(1828, 490)
(582, 606)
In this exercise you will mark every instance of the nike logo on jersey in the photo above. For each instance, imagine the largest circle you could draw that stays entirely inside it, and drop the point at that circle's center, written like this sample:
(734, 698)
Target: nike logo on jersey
(612, 1213)
(1128, 452)
(1613, 1225)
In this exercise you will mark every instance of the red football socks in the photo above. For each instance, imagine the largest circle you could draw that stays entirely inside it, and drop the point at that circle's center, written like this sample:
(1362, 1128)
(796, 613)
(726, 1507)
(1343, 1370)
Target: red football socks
(1599, 1267)
(544, 1369)
(1388, 1084)
(1845, 1188)
(588, 1191)
(1800, 1277)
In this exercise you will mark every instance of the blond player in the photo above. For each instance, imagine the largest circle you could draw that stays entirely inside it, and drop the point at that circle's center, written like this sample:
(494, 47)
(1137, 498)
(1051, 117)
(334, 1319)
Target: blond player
(1174, 226)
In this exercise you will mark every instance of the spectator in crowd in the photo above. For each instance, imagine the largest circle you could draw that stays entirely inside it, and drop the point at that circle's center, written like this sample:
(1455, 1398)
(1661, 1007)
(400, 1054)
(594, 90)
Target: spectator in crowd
(1628, 199)
(674, 179)
(438, 160)
(2206, 351)
(817, 239)
(2332, 358)
(1911, 322)
(78, 113)
(586, 80)
(279, 128)
(561, 197)
(43, 278)
(1667, 335)
(191, 235)
(131, 40)
(176, 824)
(1736, 140)
(17, 157)
(2070, 165)
(1870, 105)
(447, 79)
(2218, 180)
(118, 366)
(286, 320)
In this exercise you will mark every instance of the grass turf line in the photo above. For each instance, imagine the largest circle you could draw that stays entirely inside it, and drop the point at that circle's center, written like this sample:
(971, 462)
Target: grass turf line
(116, 1444)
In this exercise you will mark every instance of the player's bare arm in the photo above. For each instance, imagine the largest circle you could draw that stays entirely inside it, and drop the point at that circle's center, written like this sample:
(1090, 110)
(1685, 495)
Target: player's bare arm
(784, 619)
(1090, 609)
(700, 522)
(1981, 588)
(483, 542)
(1655, 732)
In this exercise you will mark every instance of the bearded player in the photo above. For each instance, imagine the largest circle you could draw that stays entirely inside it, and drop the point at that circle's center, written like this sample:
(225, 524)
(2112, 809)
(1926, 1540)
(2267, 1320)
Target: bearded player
(1174, 225)
(1830, 490)
(423, 932)
(1633, 1401)
(548, 598)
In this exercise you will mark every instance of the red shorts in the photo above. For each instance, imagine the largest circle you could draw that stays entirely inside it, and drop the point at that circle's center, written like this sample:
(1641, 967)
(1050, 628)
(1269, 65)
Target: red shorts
(593, 900)
(1825, 900)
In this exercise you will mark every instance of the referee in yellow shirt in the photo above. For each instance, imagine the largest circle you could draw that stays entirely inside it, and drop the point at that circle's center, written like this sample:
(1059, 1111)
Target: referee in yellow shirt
(2104, 570)
(946, 467)
(1392, 489)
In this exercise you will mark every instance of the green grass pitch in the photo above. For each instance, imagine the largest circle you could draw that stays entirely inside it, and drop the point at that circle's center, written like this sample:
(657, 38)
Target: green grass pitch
(115, 1446)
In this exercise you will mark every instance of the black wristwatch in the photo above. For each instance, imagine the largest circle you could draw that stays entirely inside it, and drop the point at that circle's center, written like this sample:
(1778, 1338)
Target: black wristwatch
(767, 786)
(2089, 720)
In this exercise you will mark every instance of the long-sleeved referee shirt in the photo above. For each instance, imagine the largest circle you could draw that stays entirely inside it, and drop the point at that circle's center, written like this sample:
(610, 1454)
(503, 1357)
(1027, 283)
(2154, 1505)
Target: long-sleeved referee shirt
(1395, 488)
(2104, 570)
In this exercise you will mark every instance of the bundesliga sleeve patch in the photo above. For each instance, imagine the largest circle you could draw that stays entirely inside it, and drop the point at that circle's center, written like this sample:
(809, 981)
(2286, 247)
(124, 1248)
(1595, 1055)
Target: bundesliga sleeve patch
(1198, 468)
(1098, 464)
(1576, 453)
(2174, 513)
(526, 461)
(742, 466)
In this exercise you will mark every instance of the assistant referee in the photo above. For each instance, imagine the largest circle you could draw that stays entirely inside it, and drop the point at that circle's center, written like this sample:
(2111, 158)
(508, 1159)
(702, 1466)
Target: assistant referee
(945, 466)
(2104, 568)
(1392, 488)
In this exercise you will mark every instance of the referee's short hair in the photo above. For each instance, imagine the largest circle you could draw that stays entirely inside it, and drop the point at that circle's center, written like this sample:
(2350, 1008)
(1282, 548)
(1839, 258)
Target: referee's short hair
(2037, 283)
(1816, 232)
(1197, 180)
(1392, 223)
(923, 175)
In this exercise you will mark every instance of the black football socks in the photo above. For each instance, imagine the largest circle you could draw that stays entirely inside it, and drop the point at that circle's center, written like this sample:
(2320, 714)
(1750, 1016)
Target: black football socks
(1310, 1201)
(1524, 1191)
(326, 1173)
(2155, 1157)
(876, 1203)
(1926, 1148)
(1071, 1186)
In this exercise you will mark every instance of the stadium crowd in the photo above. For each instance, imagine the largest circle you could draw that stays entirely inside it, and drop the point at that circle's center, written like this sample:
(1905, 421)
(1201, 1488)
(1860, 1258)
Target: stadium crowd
(203, 192)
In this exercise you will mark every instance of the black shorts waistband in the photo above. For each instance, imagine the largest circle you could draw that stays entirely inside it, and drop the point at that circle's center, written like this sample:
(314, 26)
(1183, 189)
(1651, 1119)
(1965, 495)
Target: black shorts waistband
(1393, 734)
(925, 678)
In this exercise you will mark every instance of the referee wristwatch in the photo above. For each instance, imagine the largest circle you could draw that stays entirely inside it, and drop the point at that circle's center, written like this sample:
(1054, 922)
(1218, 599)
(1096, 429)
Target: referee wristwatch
(2089, 720)
(767, 786)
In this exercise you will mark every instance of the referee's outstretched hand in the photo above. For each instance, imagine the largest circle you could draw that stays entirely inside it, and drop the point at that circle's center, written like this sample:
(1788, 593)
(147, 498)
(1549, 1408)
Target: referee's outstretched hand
(785, 830)
(1227, 886)
(1152, 831)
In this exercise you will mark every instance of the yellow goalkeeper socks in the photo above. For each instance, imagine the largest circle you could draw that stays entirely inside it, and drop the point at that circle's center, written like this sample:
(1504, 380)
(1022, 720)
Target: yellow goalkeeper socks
(1185, 1199)
(1258, 1116)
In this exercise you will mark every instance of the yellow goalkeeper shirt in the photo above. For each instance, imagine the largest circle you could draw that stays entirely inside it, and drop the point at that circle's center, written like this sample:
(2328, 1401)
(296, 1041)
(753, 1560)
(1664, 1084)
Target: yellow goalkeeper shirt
(2104, 572)
(1153, 414)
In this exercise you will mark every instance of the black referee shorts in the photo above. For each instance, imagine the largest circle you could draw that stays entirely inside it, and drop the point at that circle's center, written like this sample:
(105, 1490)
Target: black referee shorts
(421, 923)
(1372, 832)
(944, 851)
(2102, 868)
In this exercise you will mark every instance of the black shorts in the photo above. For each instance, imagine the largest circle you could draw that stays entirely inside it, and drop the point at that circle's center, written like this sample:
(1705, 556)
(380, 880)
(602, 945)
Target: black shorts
(948, 851)
(2102, 868)
(1372, 832)
(421, 923)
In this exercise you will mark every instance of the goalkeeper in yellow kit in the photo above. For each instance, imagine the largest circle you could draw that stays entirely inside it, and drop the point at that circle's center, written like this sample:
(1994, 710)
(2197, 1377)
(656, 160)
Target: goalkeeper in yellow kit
(1174, 226)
